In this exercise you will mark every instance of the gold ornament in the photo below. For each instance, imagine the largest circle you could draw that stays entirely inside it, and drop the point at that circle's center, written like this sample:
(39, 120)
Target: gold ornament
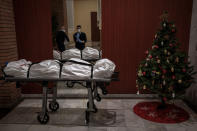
(168, 61)
(144, 87)
(140, 73)
(158, 61)
(157, 73)
(165, 51)
(153, 82)
(172, 69)
(177, 59)
(179, 81)
(164, 82)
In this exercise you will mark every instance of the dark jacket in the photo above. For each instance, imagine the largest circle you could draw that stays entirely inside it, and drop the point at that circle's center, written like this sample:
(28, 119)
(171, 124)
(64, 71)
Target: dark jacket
(82, 37)
(60, 38)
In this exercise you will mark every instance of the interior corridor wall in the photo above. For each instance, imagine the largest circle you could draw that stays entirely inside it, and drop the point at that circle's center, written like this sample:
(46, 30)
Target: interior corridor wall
(128, 29)
(82, 10)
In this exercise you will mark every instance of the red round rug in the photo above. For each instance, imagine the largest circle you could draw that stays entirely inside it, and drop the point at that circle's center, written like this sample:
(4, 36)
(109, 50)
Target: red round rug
(171, 114)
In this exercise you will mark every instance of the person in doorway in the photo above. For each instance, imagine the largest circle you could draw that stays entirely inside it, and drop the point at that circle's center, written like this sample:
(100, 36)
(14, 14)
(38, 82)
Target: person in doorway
(79, 38)
(62, 39)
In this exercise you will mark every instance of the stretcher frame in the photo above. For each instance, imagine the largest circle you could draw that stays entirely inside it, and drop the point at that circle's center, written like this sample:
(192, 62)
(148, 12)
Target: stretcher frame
(92, 85)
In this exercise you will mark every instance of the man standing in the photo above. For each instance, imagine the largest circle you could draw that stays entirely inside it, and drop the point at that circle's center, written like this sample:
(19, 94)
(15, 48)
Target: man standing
(80, 38)
(61, 38)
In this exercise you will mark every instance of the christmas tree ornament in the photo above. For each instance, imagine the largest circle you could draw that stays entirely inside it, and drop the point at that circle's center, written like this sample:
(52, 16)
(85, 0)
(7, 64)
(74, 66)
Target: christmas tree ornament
(172, 69)
(177, 59)
(173, 77)
(162, 43)
(167, 61)
(153, 82)
(170, 45)
(157, 73)
(150, 56)
(155, 36)
(146, 52)
(164, 24)
(152, 74)
(140, 73)
(184, 70)
(164, 71)
(173, 95)
(164, 82)
(158, 61)
(179, 81)
(169, 53)
(165, 51)
(138, 92)
(163, 77)
(146, 64)
(147, 59)
(144, 73)
(166, 37)
(173, 30)
(144, 87)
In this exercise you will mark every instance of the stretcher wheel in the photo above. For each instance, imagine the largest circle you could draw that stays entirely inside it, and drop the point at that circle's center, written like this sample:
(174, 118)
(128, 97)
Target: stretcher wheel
(43, 119)
(53, 106)
(98, 98)
(105, 92)
(70, 84)
(87, 114)
(94, 107)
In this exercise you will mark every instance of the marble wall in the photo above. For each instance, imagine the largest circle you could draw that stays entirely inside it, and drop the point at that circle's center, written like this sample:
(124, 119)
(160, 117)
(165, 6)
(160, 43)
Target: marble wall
(191, 94)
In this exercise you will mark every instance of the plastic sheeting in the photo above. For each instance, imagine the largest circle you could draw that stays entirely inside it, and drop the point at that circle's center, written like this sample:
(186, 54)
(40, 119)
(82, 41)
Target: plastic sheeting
(103, 68)
(45, 69)
(17, 68)
(87, 54)
(71, 53)
(74, 71)
(56, 55)
(90, 53)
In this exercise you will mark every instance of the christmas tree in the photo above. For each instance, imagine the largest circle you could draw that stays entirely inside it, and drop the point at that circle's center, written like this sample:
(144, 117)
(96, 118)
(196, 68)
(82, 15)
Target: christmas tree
(165, 70)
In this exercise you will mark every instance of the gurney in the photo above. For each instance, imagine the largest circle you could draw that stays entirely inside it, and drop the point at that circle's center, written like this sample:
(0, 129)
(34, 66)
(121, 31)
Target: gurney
(92, 85)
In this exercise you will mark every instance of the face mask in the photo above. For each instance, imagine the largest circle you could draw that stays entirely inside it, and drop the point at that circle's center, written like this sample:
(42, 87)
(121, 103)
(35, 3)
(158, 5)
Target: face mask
(79, 30)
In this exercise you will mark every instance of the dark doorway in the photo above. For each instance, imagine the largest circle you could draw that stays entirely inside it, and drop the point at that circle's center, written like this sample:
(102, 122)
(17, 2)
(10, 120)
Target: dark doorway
(95, 32)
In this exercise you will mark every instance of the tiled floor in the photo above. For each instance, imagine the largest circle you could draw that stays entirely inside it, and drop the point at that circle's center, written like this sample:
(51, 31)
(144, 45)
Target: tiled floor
(113, 115)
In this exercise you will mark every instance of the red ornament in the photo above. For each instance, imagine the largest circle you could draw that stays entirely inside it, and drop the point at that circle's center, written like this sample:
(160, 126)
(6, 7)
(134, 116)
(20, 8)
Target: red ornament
(173, 30)
(184, 70)
(164, 71)
(164, 98)
(173, 77)
(150, 56)
(146, 52)
(170, 45)
(144, 73)
(156, 46)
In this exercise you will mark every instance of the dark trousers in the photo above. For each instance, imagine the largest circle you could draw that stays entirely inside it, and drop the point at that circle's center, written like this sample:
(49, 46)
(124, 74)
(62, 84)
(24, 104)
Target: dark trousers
(80, 46)
(61, 46)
